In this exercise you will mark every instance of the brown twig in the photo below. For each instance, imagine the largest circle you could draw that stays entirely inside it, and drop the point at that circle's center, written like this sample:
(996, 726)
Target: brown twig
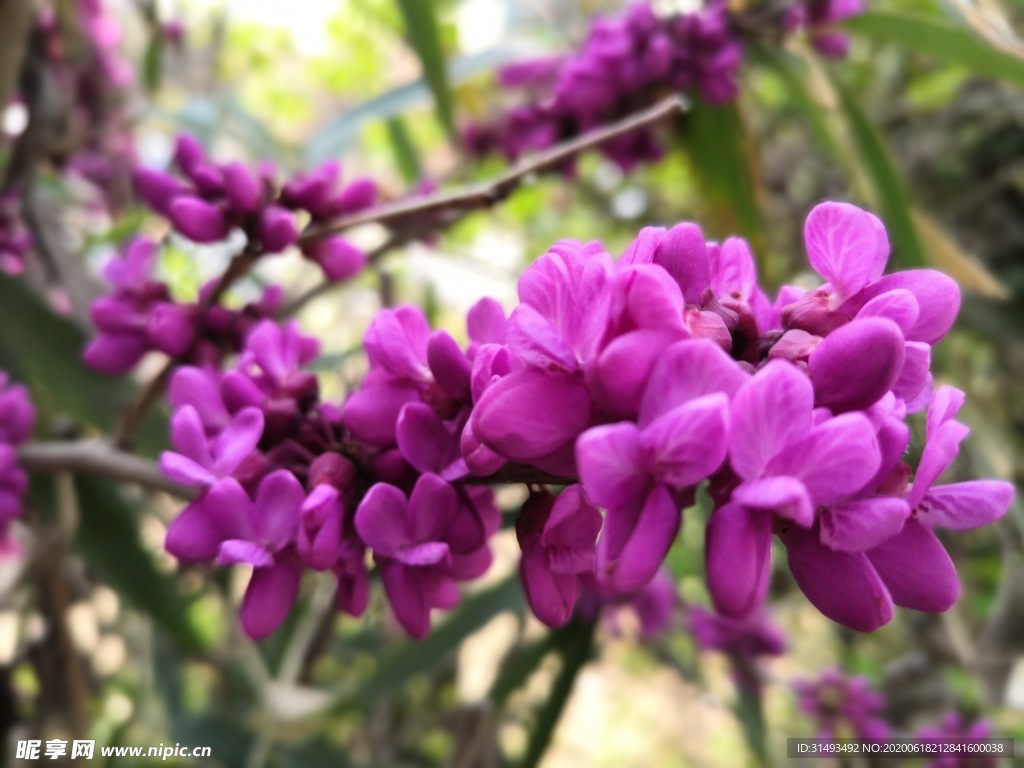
(92, 457)
(488, 193)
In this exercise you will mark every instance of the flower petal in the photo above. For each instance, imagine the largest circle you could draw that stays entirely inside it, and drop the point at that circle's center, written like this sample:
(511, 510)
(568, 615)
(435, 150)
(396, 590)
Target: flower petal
(536, 340)
(766, 412)
(688, 443)
(407, 591)
(238, 440)
(551, 595)
(843, 586)
(843, 247)
(783, 495)
(433, 506)
(610, 463)
(856, 364)
(279, 501)
(269, 597)
(860, 525)
(687, 370)
(962, 506)
(737, 551)
(381, 519)
(634, 543)
(917, 570)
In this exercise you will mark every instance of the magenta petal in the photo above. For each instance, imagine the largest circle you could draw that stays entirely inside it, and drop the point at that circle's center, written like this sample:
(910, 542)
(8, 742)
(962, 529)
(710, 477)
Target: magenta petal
(529, 414)
(407, 592)
(238, 440)
(485, 322)
(938, 297)
(188, 436)
(835, 458)
(645, 296)
(573, 523)
(429, 553)
(962, 506)
(619, 376)
(397, 342)
(843, 586)
(353, 590)
(610, 462)
(197, 219)
(198, 388)
(898, 305)
(381, 519)
(194, 535)
(939, 451)
(785, 496)
(766, 412)
(229, 505)
(239, 552)
(856, 526)
(843, 247)
(243, 189)
(683, 254)
(433, 506)
(687, 370)
(915, 375)
(115, 354)
(278, 502)
(240, 391)
(424, 440)
(688, 443)
(268, 598)
(917, 570)
(551, 595)
(184, 470)
(634, 545)
(449, 365)
(537, 341)
(737, 551)
(371, 413)
(945, 404)
(732, 269)
(857, 364)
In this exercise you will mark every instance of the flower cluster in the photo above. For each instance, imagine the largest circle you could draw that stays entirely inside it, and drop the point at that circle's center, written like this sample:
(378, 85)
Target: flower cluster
(17, 419)
(630, 60)
(954, 727)
(140, 316)
(629, 383)
(205, 201)
(843, 706)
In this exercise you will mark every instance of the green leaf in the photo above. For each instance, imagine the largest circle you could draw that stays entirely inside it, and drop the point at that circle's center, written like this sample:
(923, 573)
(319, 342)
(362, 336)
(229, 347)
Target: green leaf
(575, 644)
(887, 185)
(519, 666)
(943, 41)
(108, 539)
(152, 62)
(397, 665)
(406, 154)
(424, 35)
(717, 146)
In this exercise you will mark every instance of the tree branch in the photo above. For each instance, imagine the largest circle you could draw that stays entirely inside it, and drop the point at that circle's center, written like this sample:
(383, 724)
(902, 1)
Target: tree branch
(489, 193)
(93, 457)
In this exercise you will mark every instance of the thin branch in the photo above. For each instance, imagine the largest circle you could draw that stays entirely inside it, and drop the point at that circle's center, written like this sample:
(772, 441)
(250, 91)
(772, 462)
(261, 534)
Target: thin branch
(489, 193)
(92, 457)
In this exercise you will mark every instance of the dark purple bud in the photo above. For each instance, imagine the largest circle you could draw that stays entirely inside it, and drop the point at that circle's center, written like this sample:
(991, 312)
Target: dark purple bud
(244, 191)
(332, 469)
(157, 188)
(277, 229)
(338, 258)
(172, 329)
(208, 179)
(197, 219)
(357, 196)
(188, 153)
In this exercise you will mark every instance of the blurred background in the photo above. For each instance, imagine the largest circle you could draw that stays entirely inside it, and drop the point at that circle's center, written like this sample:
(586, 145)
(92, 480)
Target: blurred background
(105, 636)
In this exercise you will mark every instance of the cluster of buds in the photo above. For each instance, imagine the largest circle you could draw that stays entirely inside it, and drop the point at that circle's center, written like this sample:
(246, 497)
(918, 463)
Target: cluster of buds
(206, 200)
(17, 419)
(627, 384)
(140, 316)
(632, 59)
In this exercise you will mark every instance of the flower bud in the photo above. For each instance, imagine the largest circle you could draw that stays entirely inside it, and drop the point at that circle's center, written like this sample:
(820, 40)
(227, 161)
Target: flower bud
(277, 229)
(198, 220)
(337, 257)
(242, 188)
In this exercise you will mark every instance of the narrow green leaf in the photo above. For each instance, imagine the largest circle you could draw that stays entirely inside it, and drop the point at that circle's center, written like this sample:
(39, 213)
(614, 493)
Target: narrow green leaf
(152, 62)
(716, 144)
(885, 181)
(947, 43)
(397, 665)
(424, 35)
(108, 539)
(575, 645)
(406, 154)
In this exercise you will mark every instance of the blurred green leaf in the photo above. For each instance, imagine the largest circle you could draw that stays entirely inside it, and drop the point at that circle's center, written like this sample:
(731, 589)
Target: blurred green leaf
(519, 666)
(397, 665)
(406, 154)
(152, 62)
(108, 538)
(886, 183)
(229, 742)
(944, 42)
(575, 643)
(423, 32)
(717, 146)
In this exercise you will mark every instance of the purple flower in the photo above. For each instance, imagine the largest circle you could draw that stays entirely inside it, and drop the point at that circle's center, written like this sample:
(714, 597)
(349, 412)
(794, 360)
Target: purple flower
(842, 706)
(17, 416)
(556, 535)
(955, 728)
(200, 461)
(423, 544)
(635, 470)
(791, 464)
